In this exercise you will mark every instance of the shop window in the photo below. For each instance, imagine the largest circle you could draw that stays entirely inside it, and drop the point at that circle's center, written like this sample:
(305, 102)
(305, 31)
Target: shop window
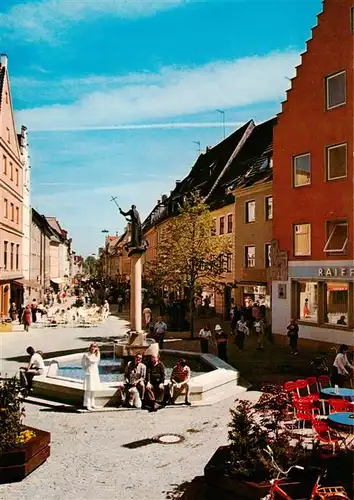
(302, 239)
(269, 207)
(6, 244)
(250, 211)
(337, 162)
(336, 303)
(229, 223)
(335, 90)
(222, 225)
(308, 301)
(267, 252)
(17, 257)
(337, 237)
(250, 256)
(6, 208)
(12, 256)
(302, 170)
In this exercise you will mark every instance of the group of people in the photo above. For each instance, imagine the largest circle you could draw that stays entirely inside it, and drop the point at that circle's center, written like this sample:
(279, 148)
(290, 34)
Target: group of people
(144, 383)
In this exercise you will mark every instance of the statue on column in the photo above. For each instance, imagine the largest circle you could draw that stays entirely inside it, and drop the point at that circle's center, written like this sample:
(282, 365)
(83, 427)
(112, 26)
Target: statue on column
(136, 239)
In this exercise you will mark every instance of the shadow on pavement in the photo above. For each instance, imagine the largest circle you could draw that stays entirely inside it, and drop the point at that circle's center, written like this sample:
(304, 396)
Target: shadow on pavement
(189, 490)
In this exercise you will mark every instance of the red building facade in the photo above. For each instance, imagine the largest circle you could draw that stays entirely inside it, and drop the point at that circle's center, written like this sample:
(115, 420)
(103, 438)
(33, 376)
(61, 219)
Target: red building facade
(313, 186)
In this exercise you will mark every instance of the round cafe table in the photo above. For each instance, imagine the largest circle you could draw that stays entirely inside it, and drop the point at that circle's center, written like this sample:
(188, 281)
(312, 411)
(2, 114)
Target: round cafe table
(343, 421)
(330, 393)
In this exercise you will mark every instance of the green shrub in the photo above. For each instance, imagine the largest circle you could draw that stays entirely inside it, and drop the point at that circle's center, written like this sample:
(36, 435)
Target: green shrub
(11, 413)
(78, 303)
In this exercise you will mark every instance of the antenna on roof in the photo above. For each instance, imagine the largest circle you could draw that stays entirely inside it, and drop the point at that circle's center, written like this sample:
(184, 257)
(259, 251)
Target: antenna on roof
(198, 144)
(222, 112)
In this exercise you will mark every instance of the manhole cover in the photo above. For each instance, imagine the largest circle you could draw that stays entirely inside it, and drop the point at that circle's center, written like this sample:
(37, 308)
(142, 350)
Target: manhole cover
(169, 438)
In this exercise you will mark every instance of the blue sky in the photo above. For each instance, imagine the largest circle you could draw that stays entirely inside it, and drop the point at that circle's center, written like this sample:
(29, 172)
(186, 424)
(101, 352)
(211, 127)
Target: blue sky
(114, 92)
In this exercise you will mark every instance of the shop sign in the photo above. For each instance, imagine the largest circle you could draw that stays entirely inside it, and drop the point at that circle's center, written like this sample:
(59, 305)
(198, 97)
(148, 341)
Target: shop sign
(329, 272)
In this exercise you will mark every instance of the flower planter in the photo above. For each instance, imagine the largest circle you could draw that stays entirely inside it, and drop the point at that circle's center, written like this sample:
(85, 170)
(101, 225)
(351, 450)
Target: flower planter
(220, 480)
(20, 461)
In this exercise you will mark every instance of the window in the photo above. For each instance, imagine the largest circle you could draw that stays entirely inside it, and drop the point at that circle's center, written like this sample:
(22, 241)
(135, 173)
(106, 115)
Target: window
(268, 257)
(222, 225)
(12, 257)
(7, 134)
(302, 239)
(17, 177)
(335, 90)
(17, 257)
(229, 262)
(12, 206)
(250, 211)
(6, 208)
(7, 97)
(336, 162)
(352, 19)
(250, 256)
(337, 237)
(4, 161)
(5, 254)
(17, 215)
(308, 301)
(213, 228)
(302, 170)
(11, 172)
(336, 303)
(229, 223)
(269, 207)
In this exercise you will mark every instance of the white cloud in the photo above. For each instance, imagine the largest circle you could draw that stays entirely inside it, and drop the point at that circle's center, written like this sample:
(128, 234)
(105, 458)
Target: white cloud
(38, 20)
(174, 93)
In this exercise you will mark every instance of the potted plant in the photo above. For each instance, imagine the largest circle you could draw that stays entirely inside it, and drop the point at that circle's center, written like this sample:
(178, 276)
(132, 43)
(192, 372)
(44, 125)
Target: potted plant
(22, 448)
(243, 469)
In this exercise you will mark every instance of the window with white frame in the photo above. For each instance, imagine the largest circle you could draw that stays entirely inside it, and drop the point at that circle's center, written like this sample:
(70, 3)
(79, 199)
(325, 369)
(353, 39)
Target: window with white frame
(250, 256)
(337, 237)
(302, 170)
(250, 211)
(269, 207)
(337, 162)
(335, 90)
(222, 225)
(302, 239)
(268, 256)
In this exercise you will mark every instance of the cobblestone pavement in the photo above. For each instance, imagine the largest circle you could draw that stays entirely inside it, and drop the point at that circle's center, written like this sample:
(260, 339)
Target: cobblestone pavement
(88, 460)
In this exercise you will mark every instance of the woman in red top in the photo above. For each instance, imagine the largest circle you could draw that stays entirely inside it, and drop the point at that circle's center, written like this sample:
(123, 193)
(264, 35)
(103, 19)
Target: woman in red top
(26, 318)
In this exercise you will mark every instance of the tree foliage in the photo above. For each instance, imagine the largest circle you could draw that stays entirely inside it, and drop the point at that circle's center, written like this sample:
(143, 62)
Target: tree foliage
(91, 265)
(11, 413)
(188, 253)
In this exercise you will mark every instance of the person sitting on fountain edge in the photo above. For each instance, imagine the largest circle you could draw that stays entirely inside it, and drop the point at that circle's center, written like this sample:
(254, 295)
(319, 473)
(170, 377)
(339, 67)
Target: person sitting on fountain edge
(180, 378)
(155, 378)
(135, 375)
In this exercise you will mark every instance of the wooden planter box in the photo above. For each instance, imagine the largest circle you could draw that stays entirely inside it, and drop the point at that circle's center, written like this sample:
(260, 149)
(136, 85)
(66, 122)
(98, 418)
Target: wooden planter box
(18, 462)
(224, 485)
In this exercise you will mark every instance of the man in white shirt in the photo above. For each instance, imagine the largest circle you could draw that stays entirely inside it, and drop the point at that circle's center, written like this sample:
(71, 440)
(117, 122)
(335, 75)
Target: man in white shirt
(160, 329)
(35, 367)
(340, 365)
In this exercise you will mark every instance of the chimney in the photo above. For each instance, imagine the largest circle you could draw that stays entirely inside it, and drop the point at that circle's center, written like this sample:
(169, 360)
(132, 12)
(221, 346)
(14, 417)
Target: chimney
(207, 149)
(3, 60)
(178, 182)
(158, 202)
(164, 197)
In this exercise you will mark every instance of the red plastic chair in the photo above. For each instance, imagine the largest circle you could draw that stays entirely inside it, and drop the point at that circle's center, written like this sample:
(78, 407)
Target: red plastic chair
(339, 405)
(324, 435)
(323, 382)
(304, 411)
(313, 388)
(290, 388)
(302, 388)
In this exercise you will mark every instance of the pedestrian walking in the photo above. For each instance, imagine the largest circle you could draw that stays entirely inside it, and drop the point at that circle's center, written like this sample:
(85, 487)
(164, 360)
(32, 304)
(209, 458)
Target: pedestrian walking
(13, 311)
(26, 318)
(204, 337)
(293, 334)
(259, 329)
(340, 367)
(241, 331)
(160, 330)
(221, 342)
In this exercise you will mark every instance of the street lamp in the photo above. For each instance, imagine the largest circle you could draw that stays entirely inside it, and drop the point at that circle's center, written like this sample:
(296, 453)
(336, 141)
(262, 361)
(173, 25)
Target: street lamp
(222, 112)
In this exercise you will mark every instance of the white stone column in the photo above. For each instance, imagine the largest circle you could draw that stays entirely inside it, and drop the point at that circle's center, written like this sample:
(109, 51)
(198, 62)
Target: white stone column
(135, 290)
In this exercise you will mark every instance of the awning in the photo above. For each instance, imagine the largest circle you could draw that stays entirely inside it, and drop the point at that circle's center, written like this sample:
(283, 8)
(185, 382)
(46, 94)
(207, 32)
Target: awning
(24, 282)
(58, 281)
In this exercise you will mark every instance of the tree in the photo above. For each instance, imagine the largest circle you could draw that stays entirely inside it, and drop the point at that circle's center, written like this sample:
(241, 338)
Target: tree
(189, 254)
(91, 265)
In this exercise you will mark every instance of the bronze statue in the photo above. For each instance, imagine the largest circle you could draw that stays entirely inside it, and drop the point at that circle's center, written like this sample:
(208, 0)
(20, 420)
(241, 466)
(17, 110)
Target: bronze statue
(136, 239)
